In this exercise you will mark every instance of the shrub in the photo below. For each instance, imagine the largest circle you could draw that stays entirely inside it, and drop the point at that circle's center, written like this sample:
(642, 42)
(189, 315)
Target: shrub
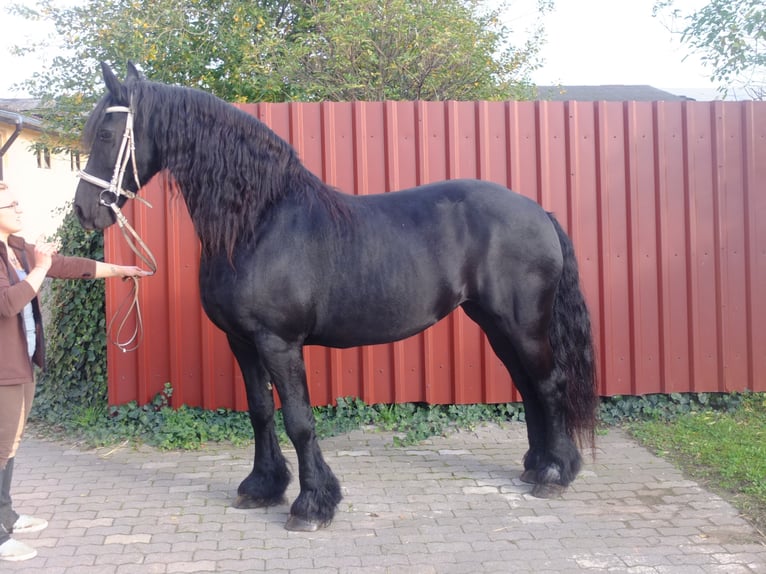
(75, 378)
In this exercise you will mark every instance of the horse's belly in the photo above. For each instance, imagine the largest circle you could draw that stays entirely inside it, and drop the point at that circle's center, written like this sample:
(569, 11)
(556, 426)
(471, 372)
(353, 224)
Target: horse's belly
(376, 321)
(360, 335)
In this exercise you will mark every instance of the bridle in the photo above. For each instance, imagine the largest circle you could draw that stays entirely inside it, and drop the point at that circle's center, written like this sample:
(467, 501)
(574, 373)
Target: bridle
(109, 195)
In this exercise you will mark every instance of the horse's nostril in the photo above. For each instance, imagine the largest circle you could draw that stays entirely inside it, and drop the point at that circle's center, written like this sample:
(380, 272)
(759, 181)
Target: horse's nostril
(81, 217)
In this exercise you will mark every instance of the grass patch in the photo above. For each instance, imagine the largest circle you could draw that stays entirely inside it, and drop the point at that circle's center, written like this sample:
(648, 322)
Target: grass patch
(726, 450)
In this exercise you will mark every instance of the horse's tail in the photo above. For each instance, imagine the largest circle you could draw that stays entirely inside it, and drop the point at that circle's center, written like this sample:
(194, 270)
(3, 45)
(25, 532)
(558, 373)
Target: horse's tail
(572, 342)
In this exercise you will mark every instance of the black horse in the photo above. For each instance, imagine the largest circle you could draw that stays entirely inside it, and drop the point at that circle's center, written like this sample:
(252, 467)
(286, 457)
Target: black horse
(288, 261)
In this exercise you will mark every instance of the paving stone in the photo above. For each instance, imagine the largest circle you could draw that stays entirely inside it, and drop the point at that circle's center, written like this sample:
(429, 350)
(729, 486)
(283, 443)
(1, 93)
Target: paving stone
(448, 505)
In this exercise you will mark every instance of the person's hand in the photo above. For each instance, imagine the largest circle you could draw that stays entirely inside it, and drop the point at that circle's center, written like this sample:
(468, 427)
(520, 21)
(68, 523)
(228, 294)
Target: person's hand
(130, 271)
(44, 253)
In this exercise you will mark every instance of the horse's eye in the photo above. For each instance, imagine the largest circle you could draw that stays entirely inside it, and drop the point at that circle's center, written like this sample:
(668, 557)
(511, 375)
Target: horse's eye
(104, 135)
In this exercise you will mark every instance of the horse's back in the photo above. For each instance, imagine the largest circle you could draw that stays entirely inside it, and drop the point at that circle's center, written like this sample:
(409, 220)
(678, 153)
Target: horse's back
(462, 218)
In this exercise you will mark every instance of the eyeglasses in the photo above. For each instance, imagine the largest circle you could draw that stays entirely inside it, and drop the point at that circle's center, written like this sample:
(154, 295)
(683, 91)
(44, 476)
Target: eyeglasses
(15, 205)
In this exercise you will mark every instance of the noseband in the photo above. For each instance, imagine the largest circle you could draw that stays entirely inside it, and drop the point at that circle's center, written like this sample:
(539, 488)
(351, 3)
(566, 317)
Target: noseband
(108, 197)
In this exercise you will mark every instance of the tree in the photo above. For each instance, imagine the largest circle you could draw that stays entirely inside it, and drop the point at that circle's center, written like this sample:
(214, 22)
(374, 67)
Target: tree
(405, 50)
(730, 36)
(279, 50)
(215, 45)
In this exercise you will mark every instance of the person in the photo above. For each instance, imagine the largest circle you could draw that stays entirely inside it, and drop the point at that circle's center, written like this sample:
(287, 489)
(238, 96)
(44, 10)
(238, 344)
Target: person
(23, 267)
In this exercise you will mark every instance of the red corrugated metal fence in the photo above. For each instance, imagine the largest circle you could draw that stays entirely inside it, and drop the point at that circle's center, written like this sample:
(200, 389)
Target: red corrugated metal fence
(665, 203)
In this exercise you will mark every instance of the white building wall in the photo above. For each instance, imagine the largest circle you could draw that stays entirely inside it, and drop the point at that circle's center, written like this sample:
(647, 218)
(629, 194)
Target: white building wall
(43, 192)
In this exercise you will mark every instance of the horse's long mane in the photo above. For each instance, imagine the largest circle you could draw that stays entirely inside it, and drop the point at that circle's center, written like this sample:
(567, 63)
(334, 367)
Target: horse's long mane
(229, 166)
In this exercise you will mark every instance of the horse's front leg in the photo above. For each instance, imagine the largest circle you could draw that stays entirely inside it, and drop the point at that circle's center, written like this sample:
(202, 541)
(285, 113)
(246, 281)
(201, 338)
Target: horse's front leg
(320, 491)
(266, 484)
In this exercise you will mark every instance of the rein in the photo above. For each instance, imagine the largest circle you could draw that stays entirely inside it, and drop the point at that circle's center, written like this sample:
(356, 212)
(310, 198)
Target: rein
(109, 195)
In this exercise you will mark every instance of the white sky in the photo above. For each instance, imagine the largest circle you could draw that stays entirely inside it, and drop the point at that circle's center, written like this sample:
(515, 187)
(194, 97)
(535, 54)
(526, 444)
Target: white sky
(589, 42)
(593, 42)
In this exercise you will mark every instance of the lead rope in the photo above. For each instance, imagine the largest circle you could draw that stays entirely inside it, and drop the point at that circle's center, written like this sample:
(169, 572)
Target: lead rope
(131, 303)
(109, 195)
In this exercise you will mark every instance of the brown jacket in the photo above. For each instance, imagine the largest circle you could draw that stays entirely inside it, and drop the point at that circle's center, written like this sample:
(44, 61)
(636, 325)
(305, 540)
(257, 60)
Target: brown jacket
(15, 367)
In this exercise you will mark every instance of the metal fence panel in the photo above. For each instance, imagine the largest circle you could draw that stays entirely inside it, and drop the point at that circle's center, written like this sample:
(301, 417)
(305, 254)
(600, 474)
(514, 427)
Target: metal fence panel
(665, 202)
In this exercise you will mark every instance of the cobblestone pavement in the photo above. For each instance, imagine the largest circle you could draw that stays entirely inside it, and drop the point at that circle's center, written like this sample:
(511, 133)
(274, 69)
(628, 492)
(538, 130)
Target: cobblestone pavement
(449, 505)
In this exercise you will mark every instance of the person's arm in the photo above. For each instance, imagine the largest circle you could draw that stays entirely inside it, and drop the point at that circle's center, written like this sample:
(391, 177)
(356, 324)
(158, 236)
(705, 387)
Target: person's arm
(43, 260)
(105, 270)
(45, 257)
(13, 298)
(35, 278)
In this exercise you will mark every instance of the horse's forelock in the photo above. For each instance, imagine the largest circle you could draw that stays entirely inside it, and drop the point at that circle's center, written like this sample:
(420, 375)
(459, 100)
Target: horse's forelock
(134, 86)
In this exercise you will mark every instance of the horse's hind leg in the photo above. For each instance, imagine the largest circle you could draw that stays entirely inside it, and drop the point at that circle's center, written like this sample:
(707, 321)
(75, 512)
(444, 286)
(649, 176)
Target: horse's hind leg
(534, 414)
(320, 490)
(266, 484)
(522, 343)
(556, 465)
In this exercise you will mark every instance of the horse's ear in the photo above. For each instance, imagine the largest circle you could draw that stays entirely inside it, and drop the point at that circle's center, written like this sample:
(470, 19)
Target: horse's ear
(115, 86)
(133, 73)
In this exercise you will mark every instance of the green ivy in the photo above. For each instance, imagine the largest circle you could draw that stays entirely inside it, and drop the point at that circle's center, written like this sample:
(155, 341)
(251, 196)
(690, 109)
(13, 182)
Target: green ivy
(160, 425)
(74, 382)
(623, 409)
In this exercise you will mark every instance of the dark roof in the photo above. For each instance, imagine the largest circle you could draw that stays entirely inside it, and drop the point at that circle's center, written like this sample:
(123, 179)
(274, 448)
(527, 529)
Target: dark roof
(20, 111)
(614, 93)
(19, 105)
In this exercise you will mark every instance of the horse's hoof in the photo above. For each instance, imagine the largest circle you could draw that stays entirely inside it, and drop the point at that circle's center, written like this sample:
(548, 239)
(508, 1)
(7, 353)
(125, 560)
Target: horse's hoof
(300, 525)
(548, 490)
(246, 501)
(529, 476)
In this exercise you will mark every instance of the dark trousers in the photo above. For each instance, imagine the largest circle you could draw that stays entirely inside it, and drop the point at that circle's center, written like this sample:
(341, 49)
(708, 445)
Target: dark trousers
(7, 516)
